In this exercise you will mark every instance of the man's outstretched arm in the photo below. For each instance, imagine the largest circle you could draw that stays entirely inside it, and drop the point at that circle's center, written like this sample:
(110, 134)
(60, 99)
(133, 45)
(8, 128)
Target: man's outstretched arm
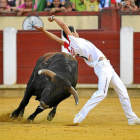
(61, 24)
(50, 35)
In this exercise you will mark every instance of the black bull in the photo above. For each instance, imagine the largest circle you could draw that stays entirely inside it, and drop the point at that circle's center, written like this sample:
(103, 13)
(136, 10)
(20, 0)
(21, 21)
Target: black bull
(53, 79)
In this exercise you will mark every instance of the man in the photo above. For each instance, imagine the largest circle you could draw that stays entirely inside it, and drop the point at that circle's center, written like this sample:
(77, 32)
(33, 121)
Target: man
(55, 7)
(91, 5)
(78, 5)
(102, 67)
(104, 4)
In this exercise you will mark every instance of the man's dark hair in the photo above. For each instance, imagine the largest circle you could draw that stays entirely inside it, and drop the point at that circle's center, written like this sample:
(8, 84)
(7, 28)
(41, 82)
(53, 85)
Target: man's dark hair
(71, 29)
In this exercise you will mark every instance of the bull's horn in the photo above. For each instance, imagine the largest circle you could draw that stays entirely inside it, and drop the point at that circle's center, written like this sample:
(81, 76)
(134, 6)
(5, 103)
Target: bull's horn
(74, 93)
(47, 72)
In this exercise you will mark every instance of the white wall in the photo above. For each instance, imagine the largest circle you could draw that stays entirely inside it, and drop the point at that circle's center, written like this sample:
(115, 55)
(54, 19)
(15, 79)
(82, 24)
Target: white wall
(126, 55)
(9, 56)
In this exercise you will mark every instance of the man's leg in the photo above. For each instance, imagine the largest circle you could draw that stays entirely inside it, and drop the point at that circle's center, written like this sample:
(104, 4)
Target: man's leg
(104, 78)
(121, 90)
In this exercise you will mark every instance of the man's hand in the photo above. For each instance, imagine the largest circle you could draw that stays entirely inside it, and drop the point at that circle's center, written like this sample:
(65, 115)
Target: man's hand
(52, 10)
(50, 19)
(39, 28)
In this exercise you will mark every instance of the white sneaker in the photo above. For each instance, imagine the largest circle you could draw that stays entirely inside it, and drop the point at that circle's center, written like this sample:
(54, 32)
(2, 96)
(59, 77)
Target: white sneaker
(134, 122)
(78, 119)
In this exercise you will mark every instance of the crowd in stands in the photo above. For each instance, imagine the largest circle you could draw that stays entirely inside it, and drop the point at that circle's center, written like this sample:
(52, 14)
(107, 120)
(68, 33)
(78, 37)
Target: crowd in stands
(53, 6)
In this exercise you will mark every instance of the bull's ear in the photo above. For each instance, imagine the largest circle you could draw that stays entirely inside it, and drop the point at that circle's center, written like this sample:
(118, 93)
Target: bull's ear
(75, 95)
(47, 72)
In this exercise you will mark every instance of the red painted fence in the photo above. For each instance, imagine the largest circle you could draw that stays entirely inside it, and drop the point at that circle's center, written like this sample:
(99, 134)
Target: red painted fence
(33, 44)
(136, 58)
(1, 57)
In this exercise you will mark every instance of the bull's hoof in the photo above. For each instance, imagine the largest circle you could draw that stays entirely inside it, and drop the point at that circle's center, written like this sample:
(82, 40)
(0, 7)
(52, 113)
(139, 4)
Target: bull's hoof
(14, 115)
(51, 115)
(30, 119)
(49, 118)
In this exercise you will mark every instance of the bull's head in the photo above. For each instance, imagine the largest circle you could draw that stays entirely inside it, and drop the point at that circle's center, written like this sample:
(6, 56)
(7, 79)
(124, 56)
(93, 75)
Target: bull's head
(55, 91)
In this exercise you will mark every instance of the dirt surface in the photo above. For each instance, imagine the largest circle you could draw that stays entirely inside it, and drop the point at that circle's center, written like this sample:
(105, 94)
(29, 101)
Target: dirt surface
(106, 121)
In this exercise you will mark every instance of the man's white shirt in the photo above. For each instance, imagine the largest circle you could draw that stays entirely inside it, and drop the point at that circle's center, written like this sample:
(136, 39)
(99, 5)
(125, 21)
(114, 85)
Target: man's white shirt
(84, 49)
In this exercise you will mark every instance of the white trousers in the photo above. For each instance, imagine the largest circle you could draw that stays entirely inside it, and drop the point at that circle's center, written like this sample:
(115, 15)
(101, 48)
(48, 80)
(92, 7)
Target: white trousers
(107, 75)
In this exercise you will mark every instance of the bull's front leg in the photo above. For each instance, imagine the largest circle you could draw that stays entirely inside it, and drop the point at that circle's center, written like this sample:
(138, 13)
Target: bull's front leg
(32, 117)
(21, 108)
(52, 113)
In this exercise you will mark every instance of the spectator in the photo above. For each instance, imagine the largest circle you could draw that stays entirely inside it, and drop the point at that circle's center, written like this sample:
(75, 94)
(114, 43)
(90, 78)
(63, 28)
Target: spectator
(91, 5)
(15, 3)
(49, 2)
(4, 7)
(78, 5)
(118, 4)
(113, 3)
(27, 7)
(128, 5)
(68, 7)
(55, 7)
(104, 4)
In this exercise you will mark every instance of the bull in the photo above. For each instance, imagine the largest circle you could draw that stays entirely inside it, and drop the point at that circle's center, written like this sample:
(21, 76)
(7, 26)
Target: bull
(53, 79)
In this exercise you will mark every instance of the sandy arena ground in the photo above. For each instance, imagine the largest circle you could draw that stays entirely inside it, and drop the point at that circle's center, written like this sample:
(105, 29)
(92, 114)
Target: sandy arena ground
(105, 122)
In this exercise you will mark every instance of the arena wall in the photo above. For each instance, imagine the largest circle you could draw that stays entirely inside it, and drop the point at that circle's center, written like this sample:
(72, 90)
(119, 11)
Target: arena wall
(21, 22)
(137, 58)
(33, 44)
(109, 19)
(1, 57)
